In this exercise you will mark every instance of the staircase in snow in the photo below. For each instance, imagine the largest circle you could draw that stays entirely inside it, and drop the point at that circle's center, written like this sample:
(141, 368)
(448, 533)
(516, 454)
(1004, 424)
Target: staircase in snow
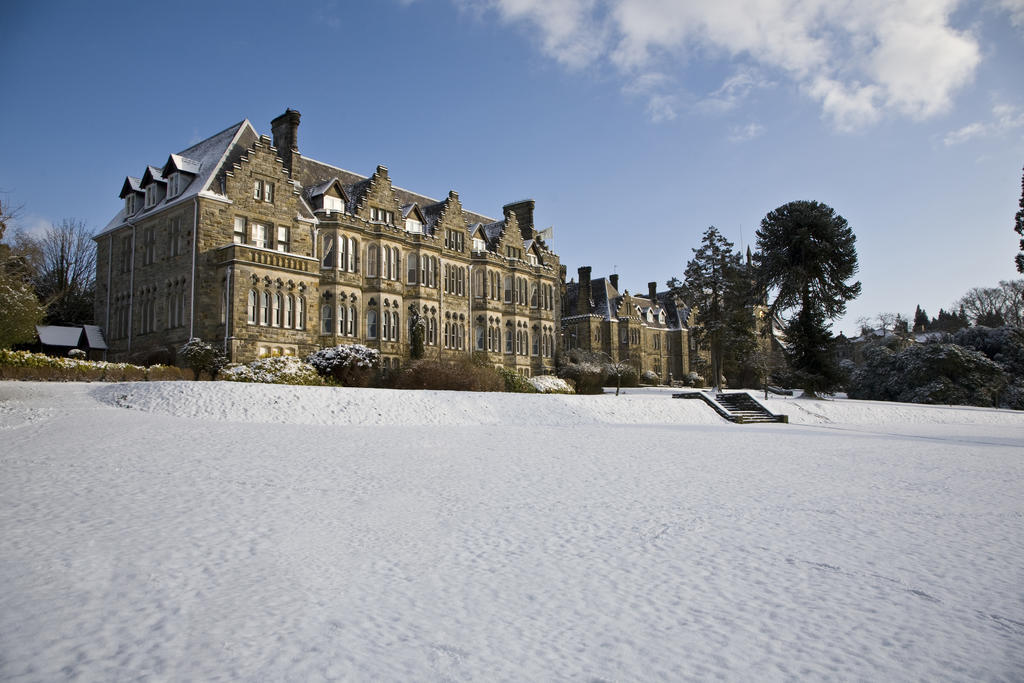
(738, 407)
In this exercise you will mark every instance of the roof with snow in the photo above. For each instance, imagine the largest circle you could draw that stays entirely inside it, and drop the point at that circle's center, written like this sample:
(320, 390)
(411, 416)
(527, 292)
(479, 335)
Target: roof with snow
(85, 336)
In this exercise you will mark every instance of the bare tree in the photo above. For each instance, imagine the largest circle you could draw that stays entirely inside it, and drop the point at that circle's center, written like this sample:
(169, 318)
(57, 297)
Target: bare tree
(63, 265)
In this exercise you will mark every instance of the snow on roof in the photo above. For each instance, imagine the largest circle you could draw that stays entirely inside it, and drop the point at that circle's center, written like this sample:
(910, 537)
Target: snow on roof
(58, 335)
(207, 156)
(131, 185)
(94, 337)
(176, 162)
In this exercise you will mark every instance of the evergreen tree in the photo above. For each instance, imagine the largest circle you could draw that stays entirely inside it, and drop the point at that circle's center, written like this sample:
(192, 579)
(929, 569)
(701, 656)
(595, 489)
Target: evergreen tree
(807, 254)
(920, 320)
(717, 284)
(1018, 227)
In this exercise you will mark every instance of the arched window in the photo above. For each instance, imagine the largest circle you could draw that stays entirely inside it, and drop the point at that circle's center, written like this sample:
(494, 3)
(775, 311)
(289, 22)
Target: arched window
(353, 252)
(447, 334)
(395, 327)
(372, 260)
(342, 253)
(386, 331)
(534, 298)
(479, 288)
(508, 289)
(385, 263)
(536, 343)
(289, 311)
(265, 309)
(330, 252)
(509, 343)
(432, 331)
(342, 316)
(300, 313)
(276, 310)
(479, 337)
(352, 319)
(371, 324)
(254, 314)
(327, 319)
(412, 263)
(396, 264)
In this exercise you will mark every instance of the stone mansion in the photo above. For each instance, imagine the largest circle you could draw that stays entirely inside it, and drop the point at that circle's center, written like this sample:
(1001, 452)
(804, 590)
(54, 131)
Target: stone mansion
(243, 241)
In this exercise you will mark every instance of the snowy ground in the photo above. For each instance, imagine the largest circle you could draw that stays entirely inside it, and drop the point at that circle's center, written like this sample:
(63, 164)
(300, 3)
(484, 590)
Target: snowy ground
(214, 531)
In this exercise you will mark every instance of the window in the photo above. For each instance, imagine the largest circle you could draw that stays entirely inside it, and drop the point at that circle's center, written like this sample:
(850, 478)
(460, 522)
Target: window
(479, 245)
(126, 253)
(333, 204)
(289, 311)
(352, 320)
(508, 289)
(513, 253)
(176, 184)
(329, 252)
(454, 240)
(326, 319)
(386, 326)
(509, 340)
(414, 226)
(372, 258)
(342, 315)
(130, 204)
(371, 324)
(382, 216)
(239, 235)
(259, 235)
(536, 343)
(412, 264)
(265, 308)
(300, 313)
(531, 259)
(148, 246)
(253, 307)
(479, 337)
(152, 194)
(276, 310)
(353, 250)
(396, 264)
(263, 190)
(283, 238)
(174, 237)
(534, 297)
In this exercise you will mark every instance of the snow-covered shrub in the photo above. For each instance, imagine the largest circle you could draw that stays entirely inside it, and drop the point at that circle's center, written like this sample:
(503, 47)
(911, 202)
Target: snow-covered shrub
(692, 379)
(77, 354)
(202, 357)
(650, 377)
(549, 384)
(516, 383)
(348, 365)
(929, 373)
(26, 365)
(621, 375)
(587, 371)
(163, 373)
(1005, 347)
(464, 374)
(273, 370)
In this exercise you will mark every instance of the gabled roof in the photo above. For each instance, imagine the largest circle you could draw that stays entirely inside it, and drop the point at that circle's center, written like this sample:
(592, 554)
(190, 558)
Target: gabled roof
(70, 336)
(177, 162)
(208, 155)
(408, 209)
(131, 185)
(321, 188)
(152, 175)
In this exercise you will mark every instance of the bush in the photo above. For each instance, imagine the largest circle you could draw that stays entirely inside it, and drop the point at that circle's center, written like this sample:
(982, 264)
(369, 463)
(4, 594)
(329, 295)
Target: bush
(549, 384)
(587, 371)
(930, 373)
(274, 370)
(24, 365)
(461, 375)
(629, 376)
(202, 357)
(650, 377)
(692, 379)
(163, 373)
(347, 365)
(77, 354)
(516, 383)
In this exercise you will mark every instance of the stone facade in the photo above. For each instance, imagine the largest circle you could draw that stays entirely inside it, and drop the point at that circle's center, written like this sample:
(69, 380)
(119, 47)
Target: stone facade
(243, 241)
(652, 332)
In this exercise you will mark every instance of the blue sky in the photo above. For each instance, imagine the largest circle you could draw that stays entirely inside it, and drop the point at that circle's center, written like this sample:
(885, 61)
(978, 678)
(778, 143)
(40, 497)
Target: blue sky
(634, 124)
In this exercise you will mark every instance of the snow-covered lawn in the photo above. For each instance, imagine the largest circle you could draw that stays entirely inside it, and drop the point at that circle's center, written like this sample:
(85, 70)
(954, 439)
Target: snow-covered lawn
(216, 531)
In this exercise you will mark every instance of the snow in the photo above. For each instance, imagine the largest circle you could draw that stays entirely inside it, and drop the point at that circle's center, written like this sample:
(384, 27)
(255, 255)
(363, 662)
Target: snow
(217, 531)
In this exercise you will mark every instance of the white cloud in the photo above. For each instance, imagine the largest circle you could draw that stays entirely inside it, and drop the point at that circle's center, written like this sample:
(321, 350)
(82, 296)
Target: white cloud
(745, 133)
(1005, 118)
(1016, 10)
(860, 60)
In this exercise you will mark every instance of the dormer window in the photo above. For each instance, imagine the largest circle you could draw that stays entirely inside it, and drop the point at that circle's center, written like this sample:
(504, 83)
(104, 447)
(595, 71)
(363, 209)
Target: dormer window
(333, 204)
(532, 259)
(413, 226)
(152, 194)
(176, 184)
(479, 245)
(130, 204)
(381, 216)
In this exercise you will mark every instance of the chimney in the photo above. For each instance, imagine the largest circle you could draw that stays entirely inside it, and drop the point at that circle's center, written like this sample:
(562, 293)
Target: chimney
(286, 135)
(524, 216)
(583, 298)
(652, 291)
(614, 279)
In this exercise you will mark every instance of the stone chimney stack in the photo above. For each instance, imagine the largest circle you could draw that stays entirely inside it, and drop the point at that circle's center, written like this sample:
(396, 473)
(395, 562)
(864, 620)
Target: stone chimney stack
(524, 216)
(614, 279)
(583, 300)
(652, 291)
(286, 135)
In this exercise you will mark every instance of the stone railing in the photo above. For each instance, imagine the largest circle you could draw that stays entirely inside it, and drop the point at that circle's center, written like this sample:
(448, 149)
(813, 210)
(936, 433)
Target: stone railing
(267, 257)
